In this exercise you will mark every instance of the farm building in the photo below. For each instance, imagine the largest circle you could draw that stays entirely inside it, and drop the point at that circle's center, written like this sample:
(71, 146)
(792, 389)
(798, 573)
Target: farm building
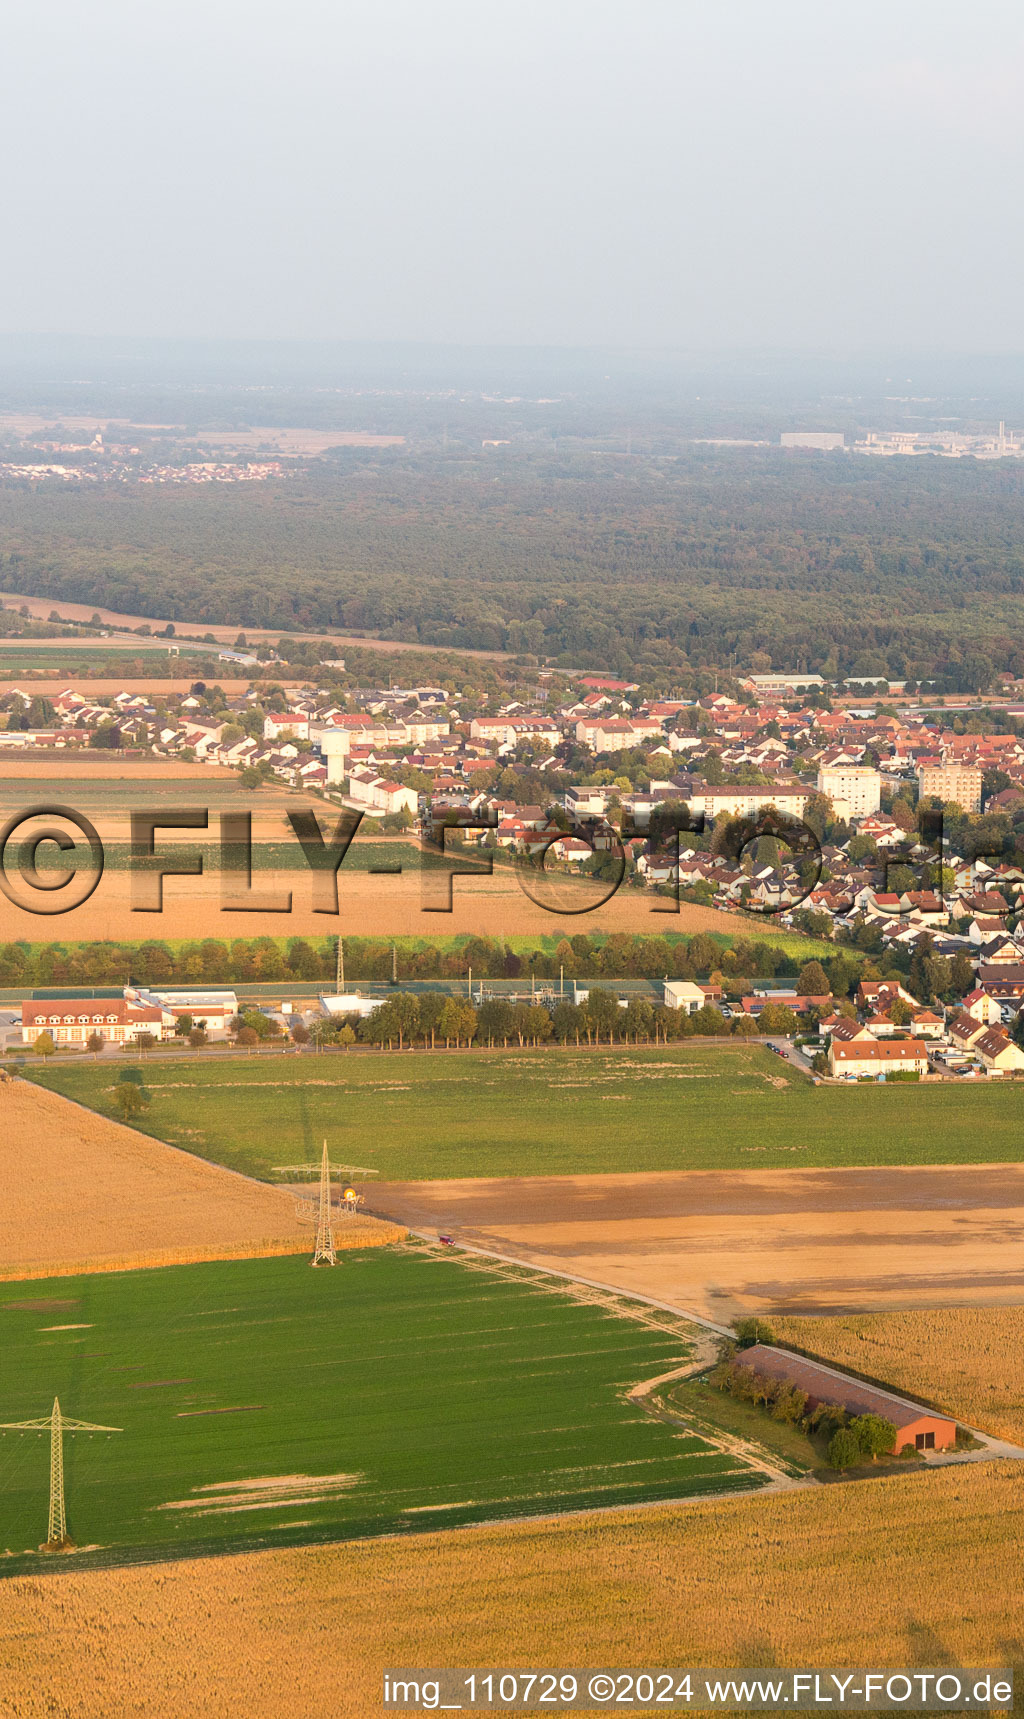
(350, 1003)
(916, 1427)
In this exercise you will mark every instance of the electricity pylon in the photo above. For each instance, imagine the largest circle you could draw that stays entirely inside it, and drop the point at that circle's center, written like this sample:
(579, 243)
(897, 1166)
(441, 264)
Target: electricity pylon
(57, 1529)
(323, 1253)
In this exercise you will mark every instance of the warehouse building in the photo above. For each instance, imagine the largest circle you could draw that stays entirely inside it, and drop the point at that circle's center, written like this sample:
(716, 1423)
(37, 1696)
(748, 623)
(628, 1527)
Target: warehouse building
(71, 1017)
(917, 1428)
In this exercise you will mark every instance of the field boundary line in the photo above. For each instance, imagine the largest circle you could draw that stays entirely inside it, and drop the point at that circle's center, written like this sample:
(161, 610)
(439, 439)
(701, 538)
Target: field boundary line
(588, 1283)
(155, 1258)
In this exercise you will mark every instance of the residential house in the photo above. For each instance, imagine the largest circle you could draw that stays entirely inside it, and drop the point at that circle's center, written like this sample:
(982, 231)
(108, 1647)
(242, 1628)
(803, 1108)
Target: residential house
(877, 1058)
(998, 1052)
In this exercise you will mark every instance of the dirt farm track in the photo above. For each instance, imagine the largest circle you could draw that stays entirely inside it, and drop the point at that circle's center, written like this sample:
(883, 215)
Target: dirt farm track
(722, 1244)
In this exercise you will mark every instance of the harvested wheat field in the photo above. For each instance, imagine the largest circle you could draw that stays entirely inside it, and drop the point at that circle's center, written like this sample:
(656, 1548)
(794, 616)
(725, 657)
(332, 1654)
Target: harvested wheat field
(970, 1358)
(918, 1570)
(409, 903)
(83, 1193)
(369, 906)
(722, 1244)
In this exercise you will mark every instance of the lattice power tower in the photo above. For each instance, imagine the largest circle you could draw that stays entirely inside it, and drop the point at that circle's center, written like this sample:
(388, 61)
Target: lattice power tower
(324, 1251)
(57, 1530)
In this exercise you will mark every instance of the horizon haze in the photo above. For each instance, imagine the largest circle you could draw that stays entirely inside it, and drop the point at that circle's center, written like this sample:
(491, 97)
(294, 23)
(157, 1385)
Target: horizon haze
(800, 179)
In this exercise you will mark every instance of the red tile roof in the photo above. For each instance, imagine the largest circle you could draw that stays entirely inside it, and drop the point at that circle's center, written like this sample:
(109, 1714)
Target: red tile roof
(826, 1385)
(880, 1050)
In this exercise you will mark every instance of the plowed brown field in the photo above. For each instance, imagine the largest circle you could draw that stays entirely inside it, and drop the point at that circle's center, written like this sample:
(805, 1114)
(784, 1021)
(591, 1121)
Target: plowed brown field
(83, 1193)
(727, 1243)
(827, 1576)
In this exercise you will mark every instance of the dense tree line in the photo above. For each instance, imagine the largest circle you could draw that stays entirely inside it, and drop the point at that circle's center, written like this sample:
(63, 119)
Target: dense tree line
(851, 1439)
(212, 960)
(848, 566)
(434, 1018)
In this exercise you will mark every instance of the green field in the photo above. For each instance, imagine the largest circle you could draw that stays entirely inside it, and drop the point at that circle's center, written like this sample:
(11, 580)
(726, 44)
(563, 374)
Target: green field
(362, 855)
(426, 1392)
(431, 1114)
(283, 855)
(71, 658)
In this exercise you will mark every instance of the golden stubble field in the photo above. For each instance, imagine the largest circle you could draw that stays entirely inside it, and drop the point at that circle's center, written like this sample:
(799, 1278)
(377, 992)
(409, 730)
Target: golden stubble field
(920, 1570)
(52, 685)
(141, 785)
(369, 906)
(93, 768)
(83, 1193)
(976, 1356)
(388, 905)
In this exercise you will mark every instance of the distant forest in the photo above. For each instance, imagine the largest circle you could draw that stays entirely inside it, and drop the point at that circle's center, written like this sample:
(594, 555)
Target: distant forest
(835, 563)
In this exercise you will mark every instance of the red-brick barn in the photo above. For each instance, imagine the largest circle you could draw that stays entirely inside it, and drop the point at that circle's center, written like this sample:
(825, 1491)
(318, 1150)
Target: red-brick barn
(916, 1427)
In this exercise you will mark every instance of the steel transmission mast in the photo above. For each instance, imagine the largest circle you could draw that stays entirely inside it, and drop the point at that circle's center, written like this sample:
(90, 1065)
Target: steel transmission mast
(323, 1253)
(57, 1529)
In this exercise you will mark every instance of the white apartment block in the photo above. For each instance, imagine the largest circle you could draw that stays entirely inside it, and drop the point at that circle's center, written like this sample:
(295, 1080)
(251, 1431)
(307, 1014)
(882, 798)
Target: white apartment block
(587, 802)
(745, 802)
(613, 734)
(336, 741)
(277, 724)
(378, 795)
(854, 789)
(512, 730)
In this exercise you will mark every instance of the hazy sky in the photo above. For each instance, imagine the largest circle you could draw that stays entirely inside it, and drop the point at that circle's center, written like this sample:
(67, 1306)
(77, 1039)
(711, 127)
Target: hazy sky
(696, 173)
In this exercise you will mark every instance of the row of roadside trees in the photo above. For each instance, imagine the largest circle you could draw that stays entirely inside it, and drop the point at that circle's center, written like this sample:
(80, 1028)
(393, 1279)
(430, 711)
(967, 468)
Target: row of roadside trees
(433, 1018)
